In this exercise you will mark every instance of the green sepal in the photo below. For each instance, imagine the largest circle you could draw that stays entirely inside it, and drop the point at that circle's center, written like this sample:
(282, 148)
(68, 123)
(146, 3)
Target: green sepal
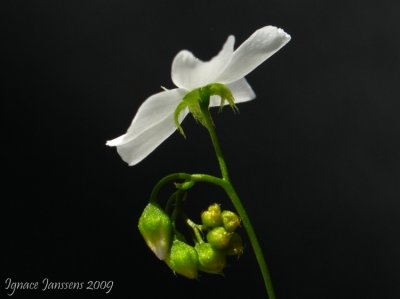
(198, 102)
(182, 105)
(218, 89)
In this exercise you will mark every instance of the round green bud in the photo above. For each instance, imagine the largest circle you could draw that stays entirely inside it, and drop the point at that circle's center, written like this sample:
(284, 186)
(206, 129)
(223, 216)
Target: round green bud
(235, 245)
(211, 260)
(230, 220)
(212, 216)
(156, 229)
(183, 259)
(219, 238)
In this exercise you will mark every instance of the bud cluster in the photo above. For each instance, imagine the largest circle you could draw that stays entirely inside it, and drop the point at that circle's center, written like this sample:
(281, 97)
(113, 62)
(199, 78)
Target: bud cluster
(207, 255)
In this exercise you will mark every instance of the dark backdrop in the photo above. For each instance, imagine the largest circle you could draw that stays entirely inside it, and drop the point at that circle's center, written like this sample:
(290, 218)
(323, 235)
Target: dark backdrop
(315, 157)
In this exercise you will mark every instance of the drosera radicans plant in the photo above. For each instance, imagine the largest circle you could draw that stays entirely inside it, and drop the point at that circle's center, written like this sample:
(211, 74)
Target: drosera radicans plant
(200, 85)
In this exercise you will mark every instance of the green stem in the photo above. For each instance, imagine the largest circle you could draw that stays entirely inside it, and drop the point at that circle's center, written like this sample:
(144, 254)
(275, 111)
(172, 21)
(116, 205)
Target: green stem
(195, 229)
(215, 142)
(253, 239)
(191, 178)
(169, 178)
(227, 186)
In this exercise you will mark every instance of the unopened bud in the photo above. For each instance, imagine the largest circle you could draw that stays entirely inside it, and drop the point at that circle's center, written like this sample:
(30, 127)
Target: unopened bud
(219, 238)
(183, 259)
(230, 220)
(235, 245)
(156, 229)
(212, 216)
(211, 260)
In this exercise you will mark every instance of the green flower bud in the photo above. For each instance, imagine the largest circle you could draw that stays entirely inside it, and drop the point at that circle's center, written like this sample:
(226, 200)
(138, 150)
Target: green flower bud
(230, 220)
(219, 238)
(235, 245)
(211, 260)
(156, 229)
(183, 259)
(212, 216)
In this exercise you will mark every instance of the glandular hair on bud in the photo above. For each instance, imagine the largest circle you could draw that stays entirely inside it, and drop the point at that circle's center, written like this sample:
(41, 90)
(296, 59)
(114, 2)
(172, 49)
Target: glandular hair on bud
(235, 245)
(219, 238)
(156, 228)
(230, 220)
(211, 260)
(212, 216)
(183, 259)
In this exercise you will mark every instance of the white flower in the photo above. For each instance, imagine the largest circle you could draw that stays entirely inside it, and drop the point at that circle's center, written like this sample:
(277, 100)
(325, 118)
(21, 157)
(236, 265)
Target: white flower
(154, 121)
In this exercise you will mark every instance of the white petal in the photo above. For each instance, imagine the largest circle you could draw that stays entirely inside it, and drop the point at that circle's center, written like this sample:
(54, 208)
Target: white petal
(154, 110)
(241, 91)
(190, 72)
(153, 123)
(261, 45)
(142, 145)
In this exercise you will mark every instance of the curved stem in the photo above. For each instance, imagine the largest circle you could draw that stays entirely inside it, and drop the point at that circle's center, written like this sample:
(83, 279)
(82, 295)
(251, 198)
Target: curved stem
(252, 237)
(227, 186)
(167, 179)
(190, 178)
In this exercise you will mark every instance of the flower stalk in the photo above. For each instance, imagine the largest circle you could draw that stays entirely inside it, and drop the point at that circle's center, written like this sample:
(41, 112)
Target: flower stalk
(199, 84)
(230, 191)
(225, 183)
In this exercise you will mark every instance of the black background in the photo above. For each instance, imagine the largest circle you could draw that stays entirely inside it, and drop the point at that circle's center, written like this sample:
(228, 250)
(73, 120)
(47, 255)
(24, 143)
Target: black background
(315, 157)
